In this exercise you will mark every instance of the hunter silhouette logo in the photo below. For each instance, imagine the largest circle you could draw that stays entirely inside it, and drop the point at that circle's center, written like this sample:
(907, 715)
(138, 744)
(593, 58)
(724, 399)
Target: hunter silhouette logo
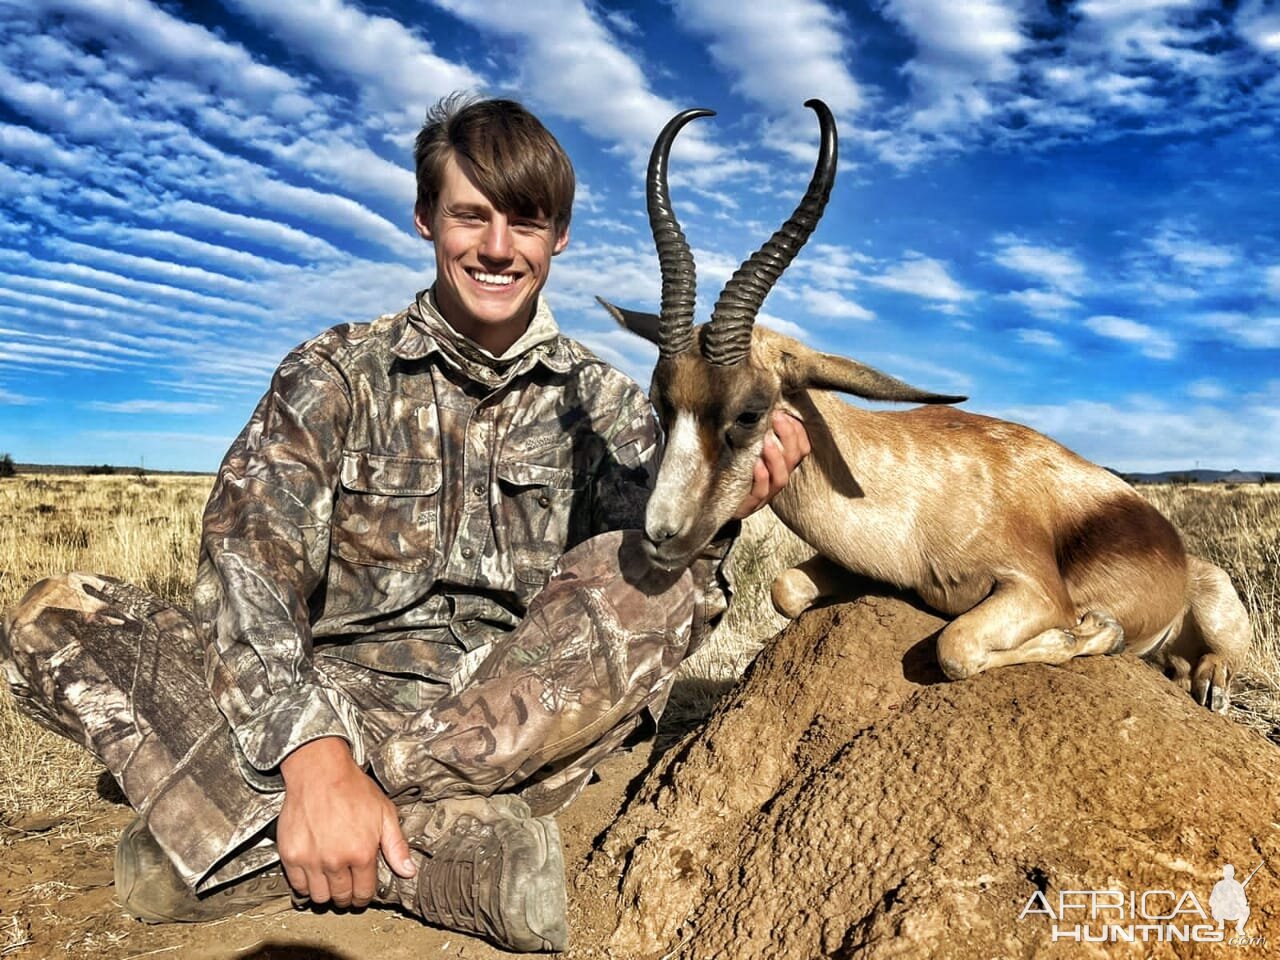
(1228, 900)
(1159, 916)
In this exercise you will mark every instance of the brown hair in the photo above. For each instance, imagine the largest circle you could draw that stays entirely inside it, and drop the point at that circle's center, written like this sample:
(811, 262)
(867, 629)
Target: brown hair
(514, 159)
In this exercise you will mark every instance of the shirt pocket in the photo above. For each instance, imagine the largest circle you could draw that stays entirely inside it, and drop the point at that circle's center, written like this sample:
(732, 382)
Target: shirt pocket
(537, 506)
(387, 511)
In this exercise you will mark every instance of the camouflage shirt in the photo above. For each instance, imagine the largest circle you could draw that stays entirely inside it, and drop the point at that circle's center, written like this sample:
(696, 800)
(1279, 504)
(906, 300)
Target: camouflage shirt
(396, 500)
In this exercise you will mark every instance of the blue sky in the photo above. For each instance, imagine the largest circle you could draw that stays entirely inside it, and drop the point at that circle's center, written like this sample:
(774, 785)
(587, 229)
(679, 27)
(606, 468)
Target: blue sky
(1066, 211)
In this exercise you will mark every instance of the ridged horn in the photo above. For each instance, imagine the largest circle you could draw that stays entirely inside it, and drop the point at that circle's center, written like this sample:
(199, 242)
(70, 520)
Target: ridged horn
(728, 336)
(679, 278)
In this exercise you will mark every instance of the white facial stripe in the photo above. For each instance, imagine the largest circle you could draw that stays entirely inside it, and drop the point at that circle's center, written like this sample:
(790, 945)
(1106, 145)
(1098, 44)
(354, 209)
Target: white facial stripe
(676, 492)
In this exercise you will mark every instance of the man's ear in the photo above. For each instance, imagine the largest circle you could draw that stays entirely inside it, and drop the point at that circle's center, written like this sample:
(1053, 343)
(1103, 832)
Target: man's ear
(562, 241)
(422, 221)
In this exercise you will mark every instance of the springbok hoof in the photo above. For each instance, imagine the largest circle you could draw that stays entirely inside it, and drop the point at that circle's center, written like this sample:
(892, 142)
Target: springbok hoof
(1099, 632)
(1211, 684)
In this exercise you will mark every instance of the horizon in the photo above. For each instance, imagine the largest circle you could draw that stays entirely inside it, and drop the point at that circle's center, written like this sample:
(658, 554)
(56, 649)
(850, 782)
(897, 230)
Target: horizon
(1066, 212)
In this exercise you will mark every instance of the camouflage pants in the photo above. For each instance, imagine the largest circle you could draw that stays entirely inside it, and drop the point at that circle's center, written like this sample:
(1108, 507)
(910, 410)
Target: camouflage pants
(121, 672)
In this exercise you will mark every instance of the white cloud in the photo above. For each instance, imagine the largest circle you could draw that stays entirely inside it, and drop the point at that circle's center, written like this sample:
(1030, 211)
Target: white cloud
(167, 270)
(586, 57)
(779, 55)
(269, 233)
(396, 69)
(1040, 338)
(1206, 389)
(783, 326)
(11, 399)
(212, 308)
(1143, 435)
(1273, 281)
(1046, 304)
(1153, 343)
(177, 244)
(1259, 23)
(961, 49)
(156, 39)
(1246, 330)
(162, 407)
(923, 277)
(1190, 253)
(829, 303)
(1060, 269)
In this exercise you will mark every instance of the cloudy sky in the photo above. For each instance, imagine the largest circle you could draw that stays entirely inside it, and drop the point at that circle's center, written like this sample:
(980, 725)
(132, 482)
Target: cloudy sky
(1067, 211)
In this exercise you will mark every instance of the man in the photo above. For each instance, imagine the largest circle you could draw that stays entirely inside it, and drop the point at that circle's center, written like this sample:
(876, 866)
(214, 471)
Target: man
(416, 609)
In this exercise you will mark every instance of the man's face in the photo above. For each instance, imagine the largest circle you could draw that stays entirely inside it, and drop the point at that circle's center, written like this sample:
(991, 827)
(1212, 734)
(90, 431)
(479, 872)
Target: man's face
(490, 265)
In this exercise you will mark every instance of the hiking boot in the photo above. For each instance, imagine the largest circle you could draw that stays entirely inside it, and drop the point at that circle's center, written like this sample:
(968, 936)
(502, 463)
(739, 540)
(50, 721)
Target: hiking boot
(149, 888)
(486, 866)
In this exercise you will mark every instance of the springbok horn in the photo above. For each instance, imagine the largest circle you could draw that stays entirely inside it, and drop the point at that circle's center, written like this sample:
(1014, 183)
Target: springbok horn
(728, 336)
(679, 278)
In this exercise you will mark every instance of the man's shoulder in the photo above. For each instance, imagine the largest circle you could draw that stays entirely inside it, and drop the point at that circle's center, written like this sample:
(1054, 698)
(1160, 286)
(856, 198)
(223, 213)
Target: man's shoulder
(598, 375)
(348, 342)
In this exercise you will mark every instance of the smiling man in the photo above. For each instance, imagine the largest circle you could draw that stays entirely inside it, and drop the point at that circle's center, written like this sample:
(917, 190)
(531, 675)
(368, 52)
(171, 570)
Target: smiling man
(422, 614)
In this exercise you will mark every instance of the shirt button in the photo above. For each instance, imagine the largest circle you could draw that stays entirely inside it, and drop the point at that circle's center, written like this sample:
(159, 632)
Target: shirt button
(478, 489)
(467, 553)
(544, 501)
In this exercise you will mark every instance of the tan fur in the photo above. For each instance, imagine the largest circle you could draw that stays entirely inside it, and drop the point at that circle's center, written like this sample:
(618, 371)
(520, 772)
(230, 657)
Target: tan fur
(1038, 554)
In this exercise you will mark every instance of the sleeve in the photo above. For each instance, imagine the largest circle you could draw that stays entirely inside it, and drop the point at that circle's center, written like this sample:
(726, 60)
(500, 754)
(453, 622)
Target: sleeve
(623, 485)
(263, 553)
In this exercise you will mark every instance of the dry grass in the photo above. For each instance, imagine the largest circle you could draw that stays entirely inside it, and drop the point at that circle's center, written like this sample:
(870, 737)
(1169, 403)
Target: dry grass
(142, 529)
(1238, 528)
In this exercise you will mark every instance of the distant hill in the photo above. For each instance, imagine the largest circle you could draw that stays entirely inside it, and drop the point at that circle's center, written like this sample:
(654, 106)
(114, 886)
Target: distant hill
(103, 469)
(1204, 476)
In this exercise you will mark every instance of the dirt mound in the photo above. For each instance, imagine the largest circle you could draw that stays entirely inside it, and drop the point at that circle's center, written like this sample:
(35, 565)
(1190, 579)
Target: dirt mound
(845, 801)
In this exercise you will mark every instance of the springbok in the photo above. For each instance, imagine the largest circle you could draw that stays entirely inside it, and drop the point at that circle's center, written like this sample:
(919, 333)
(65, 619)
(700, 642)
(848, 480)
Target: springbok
(1037, 554)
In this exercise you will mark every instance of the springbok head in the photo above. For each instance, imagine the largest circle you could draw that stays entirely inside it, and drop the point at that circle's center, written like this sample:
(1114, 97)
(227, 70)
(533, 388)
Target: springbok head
(715, 386)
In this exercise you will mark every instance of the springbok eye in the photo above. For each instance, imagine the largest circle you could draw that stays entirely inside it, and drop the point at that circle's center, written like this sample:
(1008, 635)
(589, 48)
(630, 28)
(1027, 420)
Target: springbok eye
(749, 418)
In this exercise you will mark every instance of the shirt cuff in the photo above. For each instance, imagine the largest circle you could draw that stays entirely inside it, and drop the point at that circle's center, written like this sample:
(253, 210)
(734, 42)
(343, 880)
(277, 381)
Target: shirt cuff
(286, 721)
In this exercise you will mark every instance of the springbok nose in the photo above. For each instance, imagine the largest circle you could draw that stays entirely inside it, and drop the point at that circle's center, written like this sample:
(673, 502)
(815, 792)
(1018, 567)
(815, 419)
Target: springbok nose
(660, 531)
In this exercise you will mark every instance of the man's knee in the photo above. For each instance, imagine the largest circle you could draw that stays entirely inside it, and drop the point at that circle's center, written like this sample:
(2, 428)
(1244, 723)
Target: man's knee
(34, 627)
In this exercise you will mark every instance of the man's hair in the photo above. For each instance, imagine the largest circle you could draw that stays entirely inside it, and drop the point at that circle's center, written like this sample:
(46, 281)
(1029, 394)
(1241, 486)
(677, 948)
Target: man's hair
(513, 158)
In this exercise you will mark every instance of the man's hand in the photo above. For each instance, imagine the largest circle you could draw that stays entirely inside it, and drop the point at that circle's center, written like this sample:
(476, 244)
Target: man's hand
(334, 821)
(784, 447)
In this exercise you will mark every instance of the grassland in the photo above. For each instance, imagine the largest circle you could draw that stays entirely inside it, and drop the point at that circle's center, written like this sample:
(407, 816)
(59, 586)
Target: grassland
(146, 530)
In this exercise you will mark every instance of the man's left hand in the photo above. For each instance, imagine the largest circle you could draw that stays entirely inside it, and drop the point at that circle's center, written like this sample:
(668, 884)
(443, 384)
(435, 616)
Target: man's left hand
(784, 447)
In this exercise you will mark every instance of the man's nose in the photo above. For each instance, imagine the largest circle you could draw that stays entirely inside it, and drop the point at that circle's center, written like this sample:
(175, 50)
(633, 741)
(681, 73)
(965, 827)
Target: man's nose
(496, 243)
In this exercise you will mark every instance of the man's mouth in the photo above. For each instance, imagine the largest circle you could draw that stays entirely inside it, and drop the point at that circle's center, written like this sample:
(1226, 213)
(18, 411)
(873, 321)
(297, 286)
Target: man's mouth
(492, 279)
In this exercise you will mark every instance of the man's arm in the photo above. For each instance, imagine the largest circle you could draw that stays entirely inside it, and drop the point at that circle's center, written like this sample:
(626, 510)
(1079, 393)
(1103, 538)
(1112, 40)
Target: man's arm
(263, 553)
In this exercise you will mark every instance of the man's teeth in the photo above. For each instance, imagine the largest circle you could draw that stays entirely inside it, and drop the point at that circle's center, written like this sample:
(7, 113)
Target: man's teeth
(500, 279)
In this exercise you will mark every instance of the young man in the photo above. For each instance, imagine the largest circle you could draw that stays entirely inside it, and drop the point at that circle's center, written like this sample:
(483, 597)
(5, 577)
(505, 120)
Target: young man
(421, 608)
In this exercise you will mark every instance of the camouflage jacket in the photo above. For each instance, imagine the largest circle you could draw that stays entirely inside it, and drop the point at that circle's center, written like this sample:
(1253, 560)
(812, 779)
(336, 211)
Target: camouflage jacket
(396, 500)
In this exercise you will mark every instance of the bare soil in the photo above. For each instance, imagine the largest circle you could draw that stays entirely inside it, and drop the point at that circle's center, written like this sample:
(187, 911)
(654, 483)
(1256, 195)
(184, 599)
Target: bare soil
(845, 801)
(57, 898)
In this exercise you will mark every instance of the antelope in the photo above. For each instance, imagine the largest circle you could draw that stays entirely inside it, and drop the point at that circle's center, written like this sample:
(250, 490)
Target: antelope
(1035, 554)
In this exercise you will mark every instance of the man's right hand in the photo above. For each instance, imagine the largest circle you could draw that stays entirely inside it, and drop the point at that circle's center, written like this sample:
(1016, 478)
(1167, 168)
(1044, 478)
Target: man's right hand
(333, 824)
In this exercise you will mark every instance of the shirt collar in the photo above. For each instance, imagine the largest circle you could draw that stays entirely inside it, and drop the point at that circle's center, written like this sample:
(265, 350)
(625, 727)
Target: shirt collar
(426, 330)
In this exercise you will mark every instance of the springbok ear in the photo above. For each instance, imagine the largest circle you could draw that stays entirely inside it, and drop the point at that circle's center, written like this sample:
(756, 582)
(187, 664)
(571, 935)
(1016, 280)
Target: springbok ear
(825, 371)
(641, 324)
